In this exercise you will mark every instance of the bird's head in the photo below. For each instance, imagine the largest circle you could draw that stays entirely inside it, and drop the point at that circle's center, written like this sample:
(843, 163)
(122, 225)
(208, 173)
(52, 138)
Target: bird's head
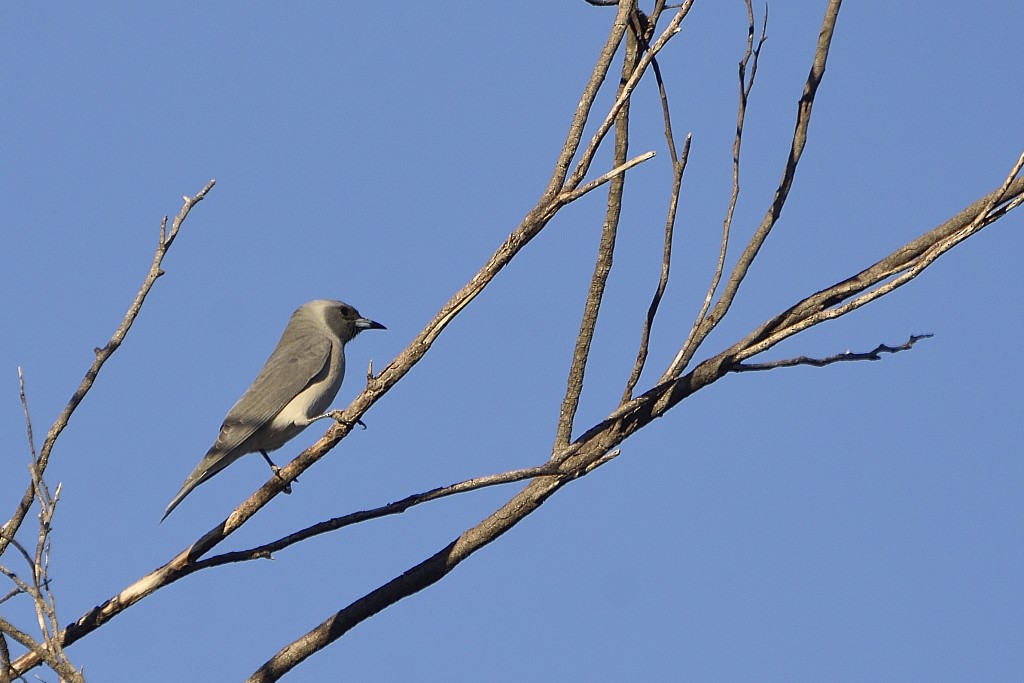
(343, 320)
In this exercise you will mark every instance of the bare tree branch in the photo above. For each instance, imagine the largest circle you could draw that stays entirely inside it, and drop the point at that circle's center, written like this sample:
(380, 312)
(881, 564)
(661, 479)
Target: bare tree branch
(102, 354)
(570, 458)
(626, 91)
(397, 507)
(38, 590)
(603, 263)
(739, 272)
(586, 103)
(415, 579)
(678, 168)
(28, 417)
(873, 354)
(746, 86)
(48, 650)
(907, 262)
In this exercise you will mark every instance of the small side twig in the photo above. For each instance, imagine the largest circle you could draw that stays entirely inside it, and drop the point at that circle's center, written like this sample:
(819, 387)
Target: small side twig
(873, 354)
(38, 589)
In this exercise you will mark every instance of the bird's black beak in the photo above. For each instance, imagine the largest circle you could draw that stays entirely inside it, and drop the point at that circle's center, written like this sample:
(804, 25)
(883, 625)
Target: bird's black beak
(367, 324)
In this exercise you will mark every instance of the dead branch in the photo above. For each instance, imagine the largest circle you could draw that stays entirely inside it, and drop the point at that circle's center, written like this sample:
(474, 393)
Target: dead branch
(102, 355)
(873, 354)
(746, 86)
(560, 192)
(570, 459)
(739, 272)
(603, 263)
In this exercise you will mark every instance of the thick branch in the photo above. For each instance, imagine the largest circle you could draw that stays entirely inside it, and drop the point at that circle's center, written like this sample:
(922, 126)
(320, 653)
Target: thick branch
(603, 263)
(906, 263)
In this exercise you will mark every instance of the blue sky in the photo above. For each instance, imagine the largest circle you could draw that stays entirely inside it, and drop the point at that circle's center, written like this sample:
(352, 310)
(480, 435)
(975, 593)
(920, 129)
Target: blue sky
(857, 522)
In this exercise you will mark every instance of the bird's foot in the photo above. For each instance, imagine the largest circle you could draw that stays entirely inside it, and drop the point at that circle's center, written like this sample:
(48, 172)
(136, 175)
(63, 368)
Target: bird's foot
(277, 473)
(337, 416)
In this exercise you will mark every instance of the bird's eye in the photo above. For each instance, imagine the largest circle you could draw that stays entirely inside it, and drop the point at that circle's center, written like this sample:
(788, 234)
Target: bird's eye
(346, 311)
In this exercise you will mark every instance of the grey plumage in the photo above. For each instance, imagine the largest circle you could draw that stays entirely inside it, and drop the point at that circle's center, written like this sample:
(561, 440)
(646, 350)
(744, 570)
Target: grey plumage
(297, 383)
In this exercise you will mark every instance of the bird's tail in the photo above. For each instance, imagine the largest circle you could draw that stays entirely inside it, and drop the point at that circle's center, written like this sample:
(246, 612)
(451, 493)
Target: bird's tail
(213, 462)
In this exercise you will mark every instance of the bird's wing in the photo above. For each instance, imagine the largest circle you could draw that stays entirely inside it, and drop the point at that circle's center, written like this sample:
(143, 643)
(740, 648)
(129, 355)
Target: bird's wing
(300, 356)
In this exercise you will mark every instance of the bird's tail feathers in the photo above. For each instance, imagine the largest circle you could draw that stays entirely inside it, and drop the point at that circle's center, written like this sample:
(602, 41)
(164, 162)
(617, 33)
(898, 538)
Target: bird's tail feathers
(213, 462)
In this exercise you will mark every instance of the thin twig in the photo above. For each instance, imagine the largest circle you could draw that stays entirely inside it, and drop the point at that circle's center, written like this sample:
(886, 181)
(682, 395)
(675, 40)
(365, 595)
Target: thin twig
(267, 549)
(846, 356)
(739, 272)
(42, 597)
(586, 104)
(678, 168)
(625, 92)
(616, 172)
(28, 418)
(603, 261)
(40, 652)
(102, 355)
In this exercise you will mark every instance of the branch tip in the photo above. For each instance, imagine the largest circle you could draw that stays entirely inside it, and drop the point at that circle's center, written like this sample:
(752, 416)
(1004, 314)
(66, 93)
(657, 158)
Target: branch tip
(846, 356)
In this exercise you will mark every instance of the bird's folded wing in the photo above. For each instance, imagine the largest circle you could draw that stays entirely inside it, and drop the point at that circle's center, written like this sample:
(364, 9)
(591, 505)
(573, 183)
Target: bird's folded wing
(289, 370)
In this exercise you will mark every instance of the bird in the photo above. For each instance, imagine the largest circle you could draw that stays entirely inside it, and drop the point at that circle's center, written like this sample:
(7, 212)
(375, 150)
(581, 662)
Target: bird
(294, 388)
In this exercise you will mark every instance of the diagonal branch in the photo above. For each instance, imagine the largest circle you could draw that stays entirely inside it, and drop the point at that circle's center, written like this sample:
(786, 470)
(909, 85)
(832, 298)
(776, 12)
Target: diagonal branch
(587, 451)
(678, 168)
(429, 571)
(906, 263)
(626, 91)
(603, 263)
(397, 507)
(102, 355)
(558, 183)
